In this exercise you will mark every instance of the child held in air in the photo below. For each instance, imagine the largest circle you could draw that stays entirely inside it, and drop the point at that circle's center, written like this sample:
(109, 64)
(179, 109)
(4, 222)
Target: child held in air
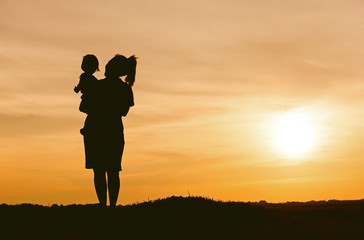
(88, 82)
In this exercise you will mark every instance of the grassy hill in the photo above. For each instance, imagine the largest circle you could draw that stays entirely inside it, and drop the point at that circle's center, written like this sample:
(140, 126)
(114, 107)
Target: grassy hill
(186, 218)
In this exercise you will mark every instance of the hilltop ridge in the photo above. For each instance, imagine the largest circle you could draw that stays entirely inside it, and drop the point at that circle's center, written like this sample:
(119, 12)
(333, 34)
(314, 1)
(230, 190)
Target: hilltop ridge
(187, 218)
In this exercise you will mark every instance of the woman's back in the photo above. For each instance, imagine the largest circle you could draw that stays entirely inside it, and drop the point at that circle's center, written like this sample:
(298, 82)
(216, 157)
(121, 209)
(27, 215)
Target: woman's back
(115, 93)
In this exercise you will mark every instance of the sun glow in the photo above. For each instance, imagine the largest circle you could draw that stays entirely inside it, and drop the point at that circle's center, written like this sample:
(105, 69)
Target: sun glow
(294, 134)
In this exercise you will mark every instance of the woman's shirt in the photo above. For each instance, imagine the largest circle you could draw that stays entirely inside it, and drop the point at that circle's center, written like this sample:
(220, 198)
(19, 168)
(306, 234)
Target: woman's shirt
(113, 95)
(116, 94)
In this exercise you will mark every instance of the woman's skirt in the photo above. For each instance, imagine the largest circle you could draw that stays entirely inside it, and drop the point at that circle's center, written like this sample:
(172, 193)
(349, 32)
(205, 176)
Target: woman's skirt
(104, 143)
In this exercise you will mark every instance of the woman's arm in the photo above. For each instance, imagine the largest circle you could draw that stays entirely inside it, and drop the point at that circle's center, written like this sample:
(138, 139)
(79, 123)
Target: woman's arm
(124, 110)
(126, 99)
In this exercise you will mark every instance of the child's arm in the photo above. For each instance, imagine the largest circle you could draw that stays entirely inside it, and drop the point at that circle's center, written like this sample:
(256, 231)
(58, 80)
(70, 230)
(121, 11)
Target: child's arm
(81, 84)
(76, 89)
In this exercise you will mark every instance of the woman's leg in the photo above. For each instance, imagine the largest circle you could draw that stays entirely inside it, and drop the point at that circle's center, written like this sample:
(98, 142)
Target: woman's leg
(114, 186)
(100, 185)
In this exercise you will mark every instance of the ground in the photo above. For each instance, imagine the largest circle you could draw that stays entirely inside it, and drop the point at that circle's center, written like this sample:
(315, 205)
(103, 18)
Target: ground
(186, 218)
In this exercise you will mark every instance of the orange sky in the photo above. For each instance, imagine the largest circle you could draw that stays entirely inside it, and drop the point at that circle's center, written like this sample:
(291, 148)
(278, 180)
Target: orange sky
(212, 78)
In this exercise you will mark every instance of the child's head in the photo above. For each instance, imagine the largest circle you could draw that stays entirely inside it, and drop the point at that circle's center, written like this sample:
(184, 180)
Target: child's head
(90, 64)
(120, 66)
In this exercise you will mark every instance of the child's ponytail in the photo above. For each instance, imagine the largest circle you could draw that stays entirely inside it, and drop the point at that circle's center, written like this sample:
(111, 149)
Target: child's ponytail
(130, 78)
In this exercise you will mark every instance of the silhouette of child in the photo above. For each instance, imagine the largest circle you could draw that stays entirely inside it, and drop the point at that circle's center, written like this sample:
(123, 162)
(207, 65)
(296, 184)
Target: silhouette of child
(89, 65)
(87, 83)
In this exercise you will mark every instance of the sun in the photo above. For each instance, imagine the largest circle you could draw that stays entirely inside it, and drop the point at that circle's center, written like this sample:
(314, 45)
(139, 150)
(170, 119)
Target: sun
(294, 134)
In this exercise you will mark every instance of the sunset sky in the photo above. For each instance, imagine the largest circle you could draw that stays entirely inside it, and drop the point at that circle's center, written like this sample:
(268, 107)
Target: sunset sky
(214, 78)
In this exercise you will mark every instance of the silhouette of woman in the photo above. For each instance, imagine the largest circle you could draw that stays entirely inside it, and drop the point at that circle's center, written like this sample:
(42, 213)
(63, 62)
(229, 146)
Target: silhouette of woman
(103, 130)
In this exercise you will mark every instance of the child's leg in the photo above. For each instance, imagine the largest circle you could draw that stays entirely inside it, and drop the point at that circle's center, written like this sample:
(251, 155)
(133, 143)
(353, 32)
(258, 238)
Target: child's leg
(114, 186)
(100, 185)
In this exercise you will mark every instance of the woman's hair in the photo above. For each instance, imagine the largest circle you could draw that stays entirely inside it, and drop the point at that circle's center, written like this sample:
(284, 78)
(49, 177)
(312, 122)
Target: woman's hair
(90, 64)
(120, 66)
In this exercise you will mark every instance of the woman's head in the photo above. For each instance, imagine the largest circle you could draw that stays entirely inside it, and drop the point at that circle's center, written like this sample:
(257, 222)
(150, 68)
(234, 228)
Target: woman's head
(90, 64)
(120, 66)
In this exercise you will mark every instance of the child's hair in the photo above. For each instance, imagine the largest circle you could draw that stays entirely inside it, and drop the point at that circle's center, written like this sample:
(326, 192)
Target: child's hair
(120, 66)
(90, 64)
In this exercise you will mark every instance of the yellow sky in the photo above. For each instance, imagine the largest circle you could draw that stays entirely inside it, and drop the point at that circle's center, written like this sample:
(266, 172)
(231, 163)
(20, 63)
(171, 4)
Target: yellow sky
(212, 78)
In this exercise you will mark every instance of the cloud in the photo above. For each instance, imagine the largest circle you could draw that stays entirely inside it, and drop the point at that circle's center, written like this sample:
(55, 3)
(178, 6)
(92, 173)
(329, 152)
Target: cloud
(30, 125)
